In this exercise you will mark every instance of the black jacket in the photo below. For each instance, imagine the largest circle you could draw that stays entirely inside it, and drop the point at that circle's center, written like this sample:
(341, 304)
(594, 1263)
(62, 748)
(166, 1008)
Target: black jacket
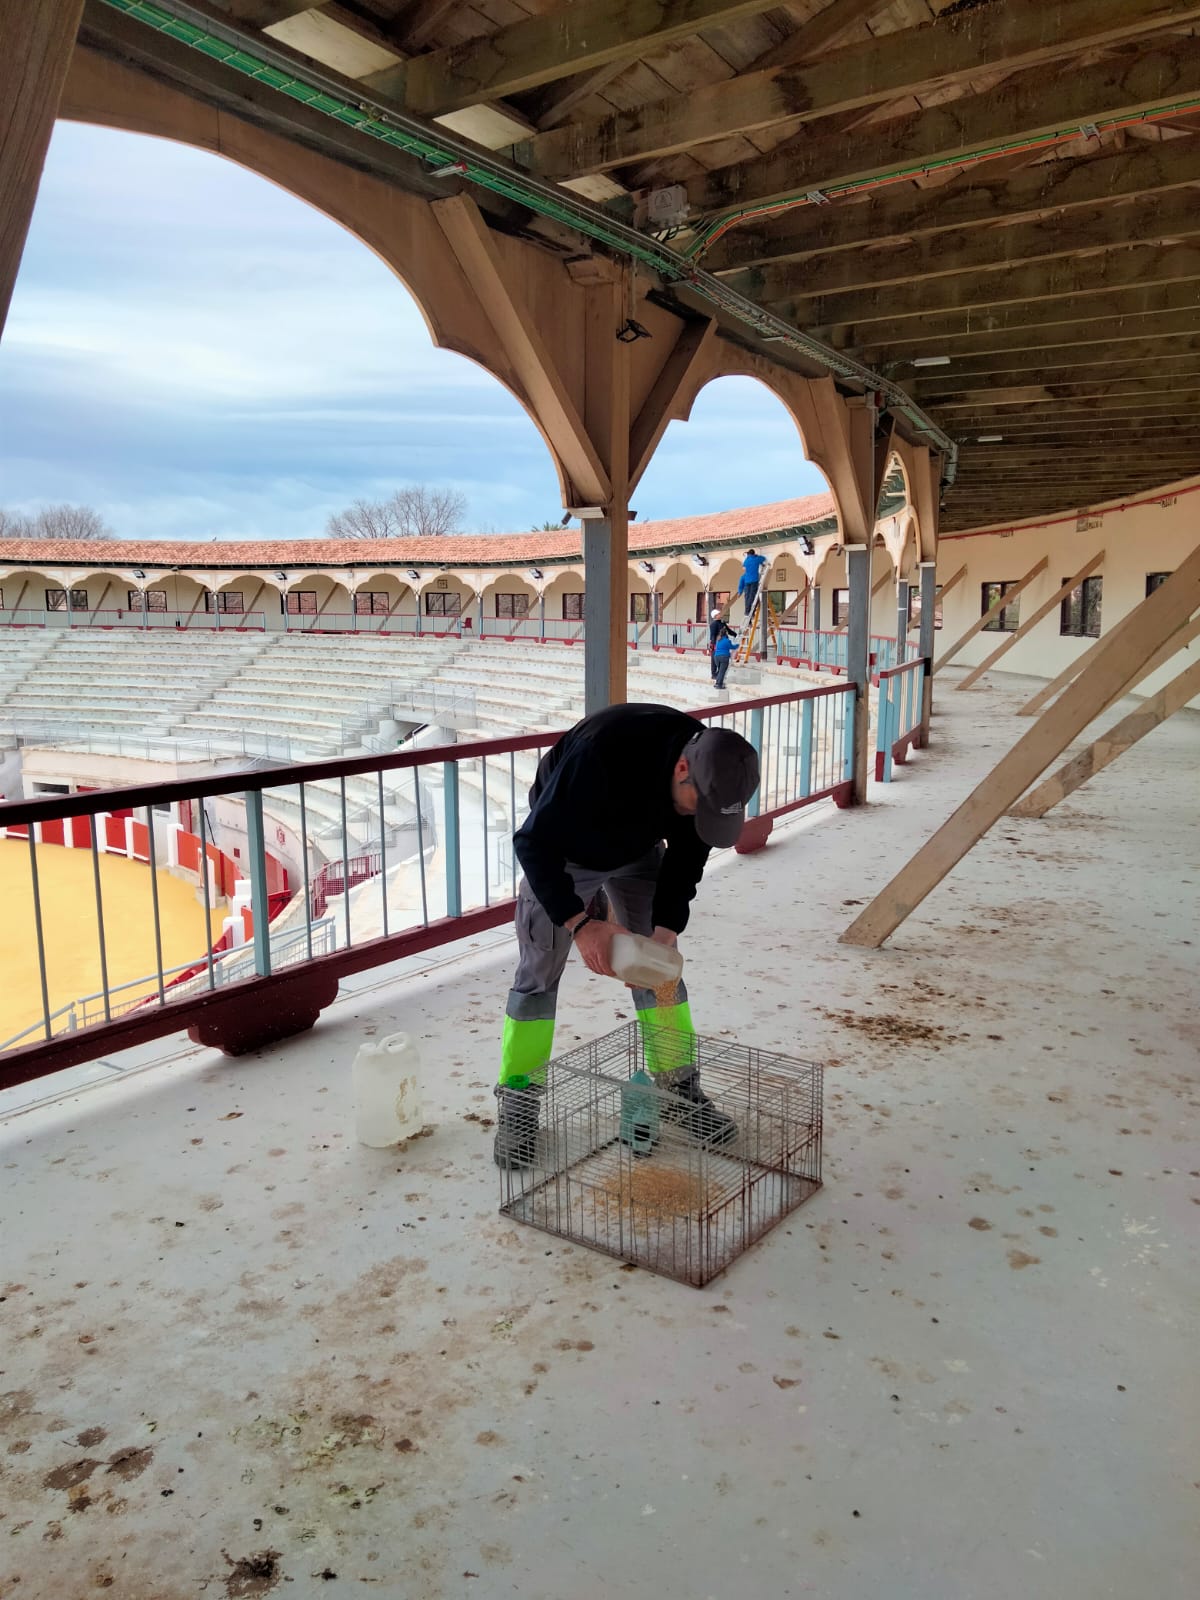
(602, 799)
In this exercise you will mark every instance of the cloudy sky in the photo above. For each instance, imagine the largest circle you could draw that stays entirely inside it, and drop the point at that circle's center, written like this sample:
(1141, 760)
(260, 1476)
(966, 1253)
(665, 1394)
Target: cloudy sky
(197, 354)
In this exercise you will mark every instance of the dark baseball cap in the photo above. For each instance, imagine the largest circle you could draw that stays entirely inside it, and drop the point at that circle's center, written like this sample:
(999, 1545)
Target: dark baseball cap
(724, 768)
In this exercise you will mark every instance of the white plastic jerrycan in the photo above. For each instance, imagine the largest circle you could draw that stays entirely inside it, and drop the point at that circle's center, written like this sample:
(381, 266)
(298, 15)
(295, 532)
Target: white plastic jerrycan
(387, 1091)
(642, 962)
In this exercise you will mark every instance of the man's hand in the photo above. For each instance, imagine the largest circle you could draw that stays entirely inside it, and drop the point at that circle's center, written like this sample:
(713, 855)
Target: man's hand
(665, 936)
(594, 943)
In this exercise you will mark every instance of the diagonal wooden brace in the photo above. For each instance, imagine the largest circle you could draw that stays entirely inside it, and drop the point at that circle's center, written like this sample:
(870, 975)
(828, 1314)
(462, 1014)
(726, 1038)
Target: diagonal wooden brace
(1103, 751)
(1123, 654)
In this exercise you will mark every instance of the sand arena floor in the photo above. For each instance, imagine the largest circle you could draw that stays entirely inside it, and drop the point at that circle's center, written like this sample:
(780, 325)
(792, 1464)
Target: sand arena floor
(70, 932)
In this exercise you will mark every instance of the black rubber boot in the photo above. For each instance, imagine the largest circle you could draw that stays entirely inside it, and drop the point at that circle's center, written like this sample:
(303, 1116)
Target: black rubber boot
(515, 1146)
(687, 1106)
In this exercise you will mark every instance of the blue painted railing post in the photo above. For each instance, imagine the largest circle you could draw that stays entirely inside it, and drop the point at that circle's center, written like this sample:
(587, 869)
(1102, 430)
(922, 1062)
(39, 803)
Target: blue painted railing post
(849, 712)
(806, 748)
(756, 739)
(260, 900)
(453, 842)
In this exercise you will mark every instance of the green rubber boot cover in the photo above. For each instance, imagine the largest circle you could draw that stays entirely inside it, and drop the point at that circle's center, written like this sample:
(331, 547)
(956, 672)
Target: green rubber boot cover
(668, 1037)
(525, 1048)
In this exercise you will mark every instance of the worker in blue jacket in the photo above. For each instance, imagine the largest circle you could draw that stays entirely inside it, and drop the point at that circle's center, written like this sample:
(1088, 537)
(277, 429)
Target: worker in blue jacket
(722, 652)
(752, 568)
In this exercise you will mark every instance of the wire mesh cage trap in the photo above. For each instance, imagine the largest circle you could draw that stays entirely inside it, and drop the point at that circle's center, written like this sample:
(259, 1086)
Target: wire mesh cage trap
(625, 1167)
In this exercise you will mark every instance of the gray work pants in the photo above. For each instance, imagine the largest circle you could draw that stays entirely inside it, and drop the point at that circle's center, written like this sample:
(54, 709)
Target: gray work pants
(543, 947)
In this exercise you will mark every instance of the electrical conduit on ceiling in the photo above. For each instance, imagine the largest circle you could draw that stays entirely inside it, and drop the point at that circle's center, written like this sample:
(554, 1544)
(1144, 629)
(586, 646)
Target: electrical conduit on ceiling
(312, 88)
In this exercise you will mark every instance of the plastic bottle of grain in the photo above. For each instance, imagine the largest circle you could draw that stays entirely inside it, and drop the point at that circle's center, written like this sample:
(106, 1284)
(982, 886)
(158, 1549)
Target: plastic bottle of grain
(387, 1091)
(640, 961)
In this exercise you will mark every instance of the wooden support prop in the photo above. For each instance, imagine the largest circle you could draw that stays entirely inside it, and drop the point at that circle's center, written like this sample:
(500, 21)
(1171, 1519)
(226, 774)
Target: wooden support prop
(992, 611)
(1043, 610)
(1177, 642)
(876, 588)
(1105, 750)
(470, 239)
(1114, 665)
(950, 582)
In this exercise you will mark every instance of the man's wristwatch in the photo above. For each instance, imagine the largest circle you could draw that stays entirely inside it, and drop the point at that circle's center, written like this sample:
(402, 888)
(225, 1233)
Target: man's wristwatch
(582, 923)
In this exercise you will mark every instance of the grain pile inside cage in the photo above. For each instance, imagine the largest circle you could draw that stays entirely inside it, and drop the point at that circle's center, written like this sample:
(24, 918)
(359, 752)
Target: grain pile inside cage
(686, 1207)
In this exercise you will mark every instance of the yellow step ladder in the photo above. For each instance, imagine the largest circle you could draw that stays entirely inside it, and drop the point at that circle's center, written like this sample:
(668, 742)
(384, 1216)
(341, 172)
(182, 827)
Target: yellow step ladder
(750, 628)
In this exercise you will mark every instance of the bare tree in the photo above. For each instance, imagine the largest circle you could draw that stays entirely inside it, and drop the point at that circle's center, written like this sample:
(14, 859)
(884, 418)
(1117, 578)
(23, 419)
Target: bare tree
(55, 522)
(416, 512)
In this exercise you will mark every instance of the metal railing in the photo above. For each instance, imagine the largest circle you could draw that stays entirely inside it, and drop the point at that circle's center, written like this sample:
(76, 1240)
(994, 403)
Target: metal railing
(899, 722)
(426, 891)
(108, 617)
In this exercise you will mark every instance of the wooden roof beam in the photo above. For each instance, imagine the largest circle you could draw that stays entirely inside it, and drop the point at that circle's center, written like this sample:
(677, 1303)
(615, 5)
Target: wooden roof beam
(1050, 394)
(1027, 106)
(1133, 267)
(972, 201)
(1022, 33)
(959, 385)
(1134, 311)
(541, 49)
(1034, 346)
(1156, 218)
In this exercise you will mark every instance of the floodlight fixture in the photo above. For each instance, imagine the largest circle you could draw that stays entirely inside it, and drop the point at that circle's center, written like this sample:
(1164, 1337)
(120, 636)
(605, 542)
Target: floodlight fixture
(536, 574)
(806, 544)
(282, 576)
(413, 574)
(701, 561)
(630, 331)
(138, 573)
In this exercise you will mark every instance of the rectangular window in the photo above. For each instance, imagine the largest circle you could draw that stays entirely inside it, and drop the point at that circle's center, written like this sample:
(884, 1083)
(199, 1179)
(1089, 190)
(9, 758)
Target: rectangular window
(439, 604)
(841, 607)
(639, 608)
(56, 600)
(300, 602)
(512, 605)
(705, 603)
(151, 600)
(1155, 580)
(572, 607)
(1080, 613)
(372, 603)
(914, 606)
(1006, 620)
(232, 602)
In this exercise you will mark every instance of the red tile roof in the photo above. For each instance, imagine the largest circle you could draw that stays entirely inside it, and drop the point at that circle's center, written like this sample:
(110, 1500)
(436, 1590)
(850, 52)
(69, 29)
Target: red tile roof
(455, 550)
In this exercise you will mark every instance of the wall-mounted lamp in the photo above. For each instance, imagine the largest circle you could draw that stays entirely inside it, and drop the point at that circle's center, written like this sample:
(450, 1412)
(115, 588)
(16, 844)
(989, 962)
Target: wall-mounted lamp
(536, 574)
(566, 518)
(586, 513)
(138, 573)
(630, 331)
(806, 544)
(647, 566)
(413, 574)
(455, 169)
(701, 561)
(282, 576)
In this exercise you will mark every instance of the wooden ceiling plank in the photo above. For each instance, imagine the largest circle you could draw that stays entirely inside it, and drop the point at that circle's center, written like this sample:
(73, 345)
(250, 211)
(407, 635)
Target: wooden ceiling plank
(1118, 359)
(977, 200)
(1136, 266)
(1154, 219)
(963, 385)
(544, 48)
(1134, 306)
(1029, 346)
(1022, 33)
(1029, 105)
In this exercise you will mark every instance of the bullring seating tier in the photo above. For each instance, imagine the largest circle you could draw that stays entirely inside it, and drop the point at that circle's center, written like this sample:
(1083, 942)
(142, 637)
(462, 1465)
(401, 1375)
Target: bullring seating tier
(308, 697)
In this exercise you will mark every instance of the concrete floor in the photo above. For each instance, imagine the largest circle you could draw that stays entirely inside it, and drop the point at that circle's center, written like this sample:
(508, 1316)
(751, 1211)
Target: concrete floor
(244, 1356)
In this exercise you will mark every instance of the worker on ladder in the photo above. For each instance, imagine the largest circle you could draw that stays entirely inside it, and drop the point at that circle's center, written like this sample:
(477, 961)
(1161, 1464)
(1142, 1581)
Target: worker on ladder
(752, 568)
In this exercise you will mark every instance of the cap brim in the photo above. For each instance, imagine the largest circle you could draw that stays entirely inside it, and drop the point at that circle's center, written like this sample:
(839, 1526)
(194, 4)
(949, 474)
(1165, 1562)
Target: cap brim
(719, 829)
